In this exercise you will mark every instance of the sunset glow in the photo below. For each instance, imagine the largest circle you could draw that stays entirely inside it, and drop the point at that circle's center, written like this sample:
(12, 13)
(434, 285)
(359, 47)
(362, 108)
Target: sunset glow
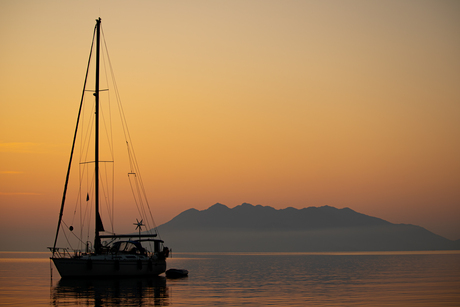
(279, 103)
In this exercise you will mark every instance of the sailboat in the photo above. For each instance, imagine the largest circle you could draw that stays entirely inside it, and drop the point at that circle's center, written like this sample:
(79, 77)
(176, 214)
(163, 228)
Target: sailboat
(110, 254)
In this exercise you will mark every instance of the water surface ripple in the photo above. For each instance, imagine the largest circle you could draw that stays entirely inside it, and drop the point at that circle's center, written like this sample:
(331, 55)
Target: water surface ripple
(248, 279)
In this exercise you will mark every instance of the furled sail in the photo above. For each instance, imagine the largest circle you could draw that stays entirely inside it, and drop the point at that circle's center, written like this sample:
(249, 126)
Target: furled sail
(99, 225)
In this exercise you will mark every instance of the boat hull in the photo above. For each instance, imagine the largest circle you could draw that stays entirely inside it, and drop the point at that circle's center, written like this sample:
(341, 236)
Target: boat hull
(90, 267)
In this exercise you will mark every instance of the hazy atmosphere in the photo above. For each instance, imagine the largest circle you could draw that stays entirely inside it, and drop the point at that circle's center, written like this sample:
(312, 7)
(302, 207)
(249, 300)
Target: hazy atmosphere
(280, 103)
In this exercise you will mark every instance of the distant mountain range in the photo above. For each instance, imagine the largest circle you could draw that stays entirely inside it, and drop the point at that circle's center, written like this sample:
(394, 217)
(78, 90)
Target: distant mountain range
(248, 228)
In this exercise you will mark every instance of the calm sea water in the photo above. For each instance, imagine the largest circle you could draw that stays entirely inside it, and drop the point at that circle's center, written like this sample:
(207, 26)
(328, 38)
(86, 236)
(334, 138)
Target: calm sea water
(247, 279)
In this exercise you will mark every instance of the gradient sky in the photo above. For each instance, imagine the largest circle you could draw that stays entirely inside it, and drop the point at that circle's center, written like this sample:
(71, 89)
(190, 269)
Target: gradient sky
(279, 103)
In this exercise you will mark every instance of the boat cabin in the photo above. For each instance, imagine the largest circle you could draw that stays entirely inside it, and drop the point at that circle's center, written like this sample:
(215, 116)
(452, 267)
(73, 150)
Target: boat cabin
(128, 247)
(134, 247)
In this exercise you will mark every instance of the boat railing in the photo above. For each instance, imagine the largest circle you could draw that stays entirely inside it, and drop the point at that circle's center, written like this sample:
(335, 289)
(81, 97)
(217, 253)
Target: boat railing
(62, 252)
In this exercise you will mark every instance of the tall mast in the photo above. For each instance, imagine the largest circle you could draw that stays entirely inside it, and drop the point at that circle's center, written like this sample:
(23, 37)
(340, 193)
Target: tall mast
(97, 239)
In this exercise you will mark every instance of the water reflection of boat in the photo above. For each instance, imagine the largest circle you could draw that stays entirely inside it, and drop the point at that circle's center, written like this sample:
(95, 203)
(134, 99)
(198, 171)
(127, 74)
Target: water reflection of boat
(110, 254)
(142, 291)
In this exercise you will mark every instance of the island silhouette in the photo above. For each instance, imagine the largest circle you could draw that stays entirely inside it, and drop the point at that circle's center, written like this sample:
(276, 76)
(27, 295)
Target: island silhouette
(248, 228)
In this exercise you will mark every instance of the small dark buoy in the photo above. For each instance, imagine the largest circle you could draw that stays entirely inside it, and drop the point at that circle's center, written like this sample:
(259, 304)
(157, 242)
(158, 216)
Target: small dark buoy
(71, 228)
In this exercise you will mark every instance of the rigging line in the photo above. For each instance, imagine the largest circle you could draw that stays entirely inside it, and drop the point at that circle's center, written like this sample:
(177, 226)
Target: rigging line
(82, 165)
(110, 118)
(89, 204)
(113, 196)
(78, 195)
(82, 130)
(79, 199)
(110, 125)
(136, 192)
(108, 96)
(73, 146)
(79, 239)
(143, 214)
(110, 193)
(87, 138)
(107, 134)
(121, 112)
(131, 166)
(67, 239)
(117, 94)
(126, 130)
(83, 172)
(75, 209)
(142, 201)
(134, 195)
(80, 173)
(108, 199)
(84, 217)
(107, 128)
(135, 167)
(82, 169)
(85, 131)
(107, 81)
(143, 192)
(105, 191)
(136, 180)
(148, 205)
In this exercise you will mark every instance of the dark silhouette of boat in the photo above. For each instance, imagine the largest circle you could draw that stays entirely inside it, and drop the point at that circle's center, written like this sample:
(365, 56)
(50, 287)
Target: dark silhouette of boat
(109, 254)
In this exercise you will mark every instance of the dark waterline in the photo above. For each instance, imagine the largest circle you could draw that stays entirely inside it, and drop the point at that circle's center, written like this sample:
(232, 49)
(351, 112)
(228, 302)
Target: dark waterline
(251, 279)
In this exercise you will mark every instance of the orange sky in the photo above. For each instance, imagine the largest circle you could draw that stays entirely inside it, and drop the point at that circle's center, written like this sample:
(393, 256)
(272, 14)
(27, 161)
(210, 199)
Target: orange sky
(279, 103)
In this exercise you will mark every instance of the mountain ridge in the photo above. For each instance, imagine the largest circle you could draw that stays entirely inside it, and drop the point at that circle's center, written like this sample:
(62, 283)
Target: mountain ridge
(256, 228)
(247, 216)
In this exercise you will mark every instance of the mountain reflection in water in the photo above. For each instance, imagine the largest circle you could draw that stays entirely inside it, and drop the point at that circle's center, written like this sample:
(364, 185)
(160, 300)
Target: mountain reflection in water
(102, 292)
